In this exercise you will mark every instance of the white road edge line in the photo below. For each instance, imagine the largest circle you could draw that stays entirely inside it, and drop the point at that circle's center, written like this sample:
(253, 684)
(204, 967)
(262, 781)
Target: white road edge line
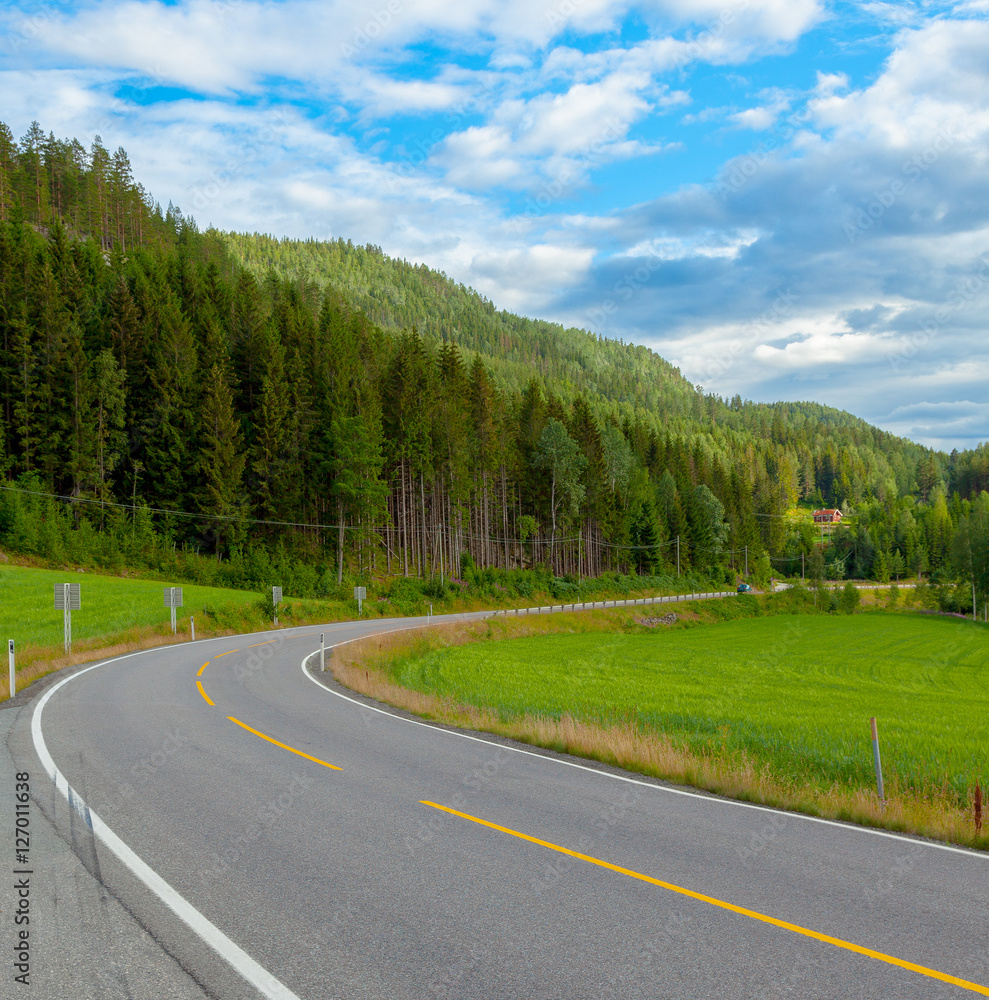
(233, 954)
(848, 827)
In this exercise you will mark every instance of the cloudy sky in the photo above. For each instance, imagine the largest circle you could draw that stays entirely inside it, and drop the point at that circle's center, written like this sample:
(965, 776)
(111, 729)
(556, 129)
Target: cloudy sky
(787, 198)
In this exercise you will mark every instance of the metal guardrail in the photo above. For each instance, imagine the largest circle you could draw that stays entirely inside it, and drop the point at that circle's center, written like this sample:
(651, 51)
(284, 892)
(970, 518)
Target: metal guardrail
(590, 605)
(324, 653)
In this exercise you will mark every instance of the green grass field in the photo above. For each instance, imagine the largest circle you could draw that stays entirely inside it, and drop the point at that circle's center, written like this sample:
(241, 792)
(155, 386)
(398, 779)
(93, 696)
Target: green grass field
(796, 691)
(110, 605)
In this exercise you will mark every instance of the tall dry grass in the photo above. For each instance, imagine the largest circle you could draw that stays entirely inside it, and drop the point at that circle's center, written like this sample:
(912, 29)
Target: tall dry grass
(35, 662)
(363, 666)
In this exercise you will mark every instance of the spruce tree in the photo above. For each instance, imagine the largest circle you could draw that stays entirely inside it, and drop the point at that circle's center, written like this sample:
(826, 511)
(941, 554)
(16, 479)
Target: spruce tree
(221, 462)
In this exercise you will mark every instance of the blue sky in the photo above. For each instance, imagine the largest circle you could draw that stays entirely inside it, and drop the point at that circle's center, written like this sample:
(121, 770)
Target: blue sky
(786, 198)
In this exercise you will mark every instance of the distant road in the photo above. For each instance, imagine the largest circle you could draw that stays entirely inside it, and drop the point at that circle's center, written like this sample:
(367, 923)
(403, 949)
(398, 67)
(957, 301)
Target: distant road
(283, 839)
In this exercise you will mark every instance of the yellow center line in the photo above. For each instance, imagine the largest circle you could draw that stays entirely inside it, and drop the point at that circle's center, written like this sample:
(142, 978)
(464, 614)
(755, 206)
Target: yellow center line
(202, 668)
(199, 684)
(283, 745)
(227, 653)
(265, 643)
(753, 914)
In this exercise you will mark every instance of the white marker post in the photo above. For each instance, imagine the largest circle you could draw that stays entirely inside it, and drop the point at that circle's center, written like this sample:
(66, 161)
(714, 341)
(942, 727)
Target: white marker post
(322, 653)
(192, 627)
(360, 593)
(276, 599)
(878, 762)
(68, 598)
(173, 600)
(10, 663)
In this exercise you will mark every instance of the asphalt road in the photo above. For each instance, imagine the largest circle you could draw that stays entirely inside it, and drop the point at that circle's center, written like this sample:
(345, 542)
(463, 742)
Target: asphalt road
(310, 867)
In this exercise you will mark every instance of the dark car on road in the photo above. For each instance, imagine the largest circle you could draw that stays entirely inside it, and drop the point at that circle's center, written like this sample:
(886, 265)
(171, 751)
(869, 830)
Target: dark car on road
(744, 588)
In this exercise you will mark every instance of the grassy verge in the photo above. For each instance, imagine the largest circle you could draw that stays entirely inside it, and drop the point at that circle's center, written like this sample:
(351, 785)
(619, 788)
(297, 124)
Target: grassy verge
(767, 708)
(122, 614)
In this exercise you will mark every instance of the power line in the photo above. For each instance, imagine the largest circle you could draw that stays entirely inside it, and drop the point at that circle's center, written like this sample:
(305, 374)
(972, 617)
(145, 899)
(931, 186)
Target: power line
(445, 528)
(178, 513)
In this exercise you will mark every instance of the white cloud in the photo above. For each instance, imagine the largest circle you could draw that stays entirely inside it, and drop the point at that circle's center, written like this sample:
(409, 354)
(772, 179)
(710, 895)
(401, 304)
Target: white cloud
(710, 244)
(945, 425)
(530, 278)
(825, 348)
(828, 83)
(290, 96)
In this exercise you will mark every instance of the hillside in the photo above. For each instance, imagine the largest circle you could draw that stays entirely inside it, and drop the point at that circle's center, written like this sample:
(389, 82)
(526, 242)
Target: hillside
(397, 295)
(245, 397)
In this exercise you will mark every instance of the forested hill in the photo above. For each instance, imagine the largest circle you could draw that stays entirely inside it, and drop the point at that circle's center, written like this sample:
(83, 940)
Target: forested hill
(398, 295)
(250, 398)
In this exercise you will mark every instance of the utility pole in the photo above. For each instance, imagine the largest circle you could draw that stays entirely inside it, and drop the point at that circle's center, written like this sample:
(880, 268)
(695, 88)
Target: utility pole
(678, 555)
(746, 560)
(802, 566)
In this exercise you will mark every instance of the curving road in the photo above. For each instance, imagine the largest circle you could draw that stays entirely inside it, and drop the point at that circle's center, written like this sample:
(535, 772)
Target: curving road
(278, 838)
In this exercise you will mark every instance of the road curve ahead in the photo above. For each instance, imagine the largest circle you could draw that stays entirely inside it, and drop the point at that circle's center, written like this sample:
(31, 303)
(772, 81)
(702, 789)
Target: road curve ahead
(282, 839)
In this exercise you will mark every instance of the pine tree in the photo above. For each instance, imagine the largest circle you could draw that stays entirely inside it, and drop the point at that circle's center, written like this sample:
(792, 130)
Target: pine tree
(221, 462)
(271, 427)
(8, 164)
(109, 395)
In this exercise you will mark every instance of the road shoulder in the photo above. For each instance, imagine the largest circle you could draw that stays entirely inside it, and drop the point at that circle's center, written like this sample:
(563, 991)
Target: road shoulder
(82, 942)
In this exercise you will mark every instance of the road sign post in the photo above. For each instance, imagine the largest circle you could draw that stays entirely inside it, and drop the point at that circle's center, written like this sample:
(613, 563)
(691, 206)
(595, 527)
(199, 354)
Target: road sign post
(276, 599)
(10, 664)
(68, 598)
(360, 594)
(173, 600)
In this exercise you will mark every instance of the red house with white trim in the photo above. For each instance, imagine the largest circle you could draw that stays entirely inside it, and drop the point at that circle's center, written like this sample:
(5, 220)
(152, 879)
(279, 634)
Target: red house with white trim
(827, 516)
